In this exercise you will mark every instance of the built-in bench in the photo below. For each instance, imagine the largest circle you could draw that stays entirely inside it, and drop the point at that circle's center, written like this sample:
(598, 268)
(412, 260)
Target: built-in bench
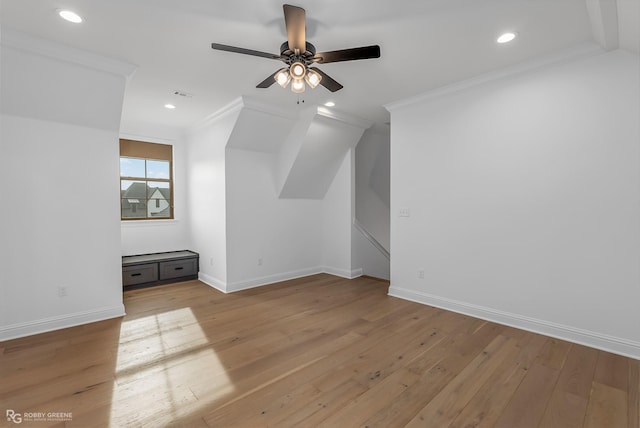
(146, 270)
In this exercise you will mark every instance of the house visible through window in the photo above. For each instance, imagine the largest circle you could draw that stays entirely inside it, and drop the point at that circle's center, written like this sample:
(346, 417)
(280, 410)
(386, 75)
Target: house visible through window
(146, 182)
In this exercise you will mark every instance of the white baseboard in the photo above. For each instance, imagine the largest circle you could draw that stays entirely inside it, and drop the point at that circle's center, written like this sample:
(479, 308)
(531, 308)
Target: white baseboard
(343, 273)
(212, 282)
(270, 279)
(592, 339)
(30, 328)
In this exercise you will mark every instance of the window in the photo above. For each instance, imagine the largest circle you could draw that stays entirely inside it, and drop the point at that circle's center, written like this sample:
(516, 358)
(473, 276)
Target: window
(146, 181)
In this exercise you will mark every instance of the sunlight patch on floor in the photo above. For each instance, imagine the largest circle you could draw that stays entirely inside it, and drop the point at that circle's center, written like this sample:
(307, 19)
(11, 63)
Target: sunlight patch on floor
(162, 359)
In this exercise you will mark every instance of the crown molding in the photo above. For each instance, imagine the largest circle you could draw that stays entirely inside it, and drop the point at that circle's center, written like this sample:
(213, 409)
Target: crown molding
(341, 116)
(584, 50)
(237, 105)
(233, 107)
(271, 109)
(46, 48)
(305, 114)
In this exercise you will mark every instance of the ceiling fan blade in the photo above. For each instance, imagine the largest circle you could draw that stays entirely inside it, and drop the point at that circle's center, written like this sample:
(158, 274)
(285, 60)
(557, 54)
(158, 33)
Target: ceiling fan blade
(227, 48)
(352, 54)
(327, 81)
(295, 21)
(266, 82)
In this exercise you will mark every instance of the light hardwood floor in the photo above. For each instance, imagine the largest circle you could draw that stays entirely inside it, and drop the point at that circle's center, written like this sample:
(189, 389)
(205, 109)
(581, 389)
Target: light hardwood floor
(317, 351)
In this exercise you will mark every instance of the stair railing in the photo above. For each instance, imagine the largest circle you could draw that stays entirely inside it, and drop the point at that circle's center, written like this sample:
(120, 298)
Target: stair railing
(371, 239)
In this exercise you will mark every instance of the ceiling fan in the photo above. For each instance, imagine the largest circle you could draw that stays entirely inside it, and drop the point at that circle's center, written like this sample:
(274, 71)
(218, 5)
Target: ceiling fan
(299, 56)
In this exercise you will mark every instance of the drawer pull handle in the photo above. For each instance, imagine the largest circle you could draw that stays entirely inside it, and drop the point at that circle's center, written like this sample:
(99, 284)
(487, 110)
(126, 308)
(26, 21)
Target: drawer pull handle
(179, 268)
(136, 274)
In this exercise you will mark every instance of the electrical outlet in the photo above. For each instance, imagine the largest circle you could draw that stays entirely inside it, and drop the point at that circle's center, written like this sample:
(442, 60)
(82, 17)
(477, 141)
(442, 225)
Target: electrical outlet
(259, 261)
(62, 291)
(420, 273)
(211, 261)
(404, 212)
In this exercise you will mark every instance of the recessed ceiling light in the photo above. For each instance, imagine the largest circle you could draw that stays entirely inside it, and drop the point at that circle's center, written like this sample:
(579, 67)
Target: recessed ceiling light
(70, 16)
(169, 106)
(329, 104)
(506, 37)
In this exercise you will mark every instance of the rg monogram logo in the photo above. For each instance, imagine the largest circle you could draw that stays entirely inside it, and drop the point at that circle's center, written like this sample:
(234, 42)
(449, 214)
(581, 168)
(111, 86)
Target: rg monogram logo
(14, 417)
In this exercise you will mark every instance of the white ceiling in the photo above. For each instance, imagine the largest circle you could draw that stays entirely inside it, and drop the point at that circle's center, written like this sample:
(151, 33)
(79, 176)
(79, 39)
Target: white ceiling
(425, 44)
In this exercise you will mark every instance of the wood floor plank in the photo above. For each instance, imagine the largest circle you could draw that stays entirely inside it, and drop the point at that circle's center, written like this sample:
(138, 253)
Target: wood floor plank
(377, 362)
(607, 408)
(358, 410)
(436, 367)
(309, 352)
(487, 405)
(634, 394)
(316, 374)
(526, 407)
(564, 410)
(456, 395)
(554, 353)
(612, 370)
(568, 403)
(578, 371)
(327, 404)
(264, 372)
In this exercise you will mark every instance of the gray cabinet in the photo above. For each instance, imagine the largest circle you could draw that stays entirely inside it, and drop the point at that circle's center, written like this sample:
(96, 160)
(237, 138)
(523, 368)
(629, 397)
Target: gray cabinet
(145, 270)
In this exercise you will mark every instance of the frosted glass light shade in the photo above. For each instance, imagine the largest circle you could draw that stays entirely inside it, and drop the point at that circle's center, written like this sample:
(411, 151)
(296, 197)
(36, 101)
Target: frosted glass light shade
(283, 77)
(297, 70)
(297, 86)
(312, 78)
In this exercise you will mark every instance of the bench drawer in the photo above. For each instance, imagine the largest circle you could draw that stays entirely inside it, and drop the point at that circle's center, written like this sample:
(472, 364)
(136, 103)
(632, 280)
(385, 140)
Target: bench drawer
(178, 268)
(139, 274)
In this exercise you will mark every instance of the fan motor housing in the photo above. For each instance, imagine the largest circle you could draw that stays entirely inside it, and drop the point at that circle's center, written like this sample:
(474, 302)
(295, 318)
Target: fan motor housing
(304, 56)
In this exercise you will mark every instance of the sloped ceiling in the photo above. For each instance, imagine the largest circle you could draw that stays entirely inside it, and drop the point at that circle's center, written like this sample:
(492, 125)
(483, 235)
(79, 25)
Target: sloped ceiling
(425, 44)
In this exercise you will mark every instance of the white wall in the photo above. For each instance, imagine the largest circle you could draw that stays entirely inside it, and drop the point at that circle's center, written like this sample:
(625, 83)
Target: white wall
(151, 236)
(337, 215)
(283, 234)
(373, 185)
(372, 201)
(59, 169)
(206, 195)
(314, 150)
(524, 200)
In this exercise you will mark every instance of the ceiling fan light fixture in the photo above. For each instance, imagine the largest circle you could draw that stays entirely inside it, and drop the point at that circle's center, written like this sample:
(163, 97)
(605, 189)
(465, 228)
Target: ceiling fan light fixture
(283, 77)
(312, 78)
(298, 86)
(298, 55)
(297, 70)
